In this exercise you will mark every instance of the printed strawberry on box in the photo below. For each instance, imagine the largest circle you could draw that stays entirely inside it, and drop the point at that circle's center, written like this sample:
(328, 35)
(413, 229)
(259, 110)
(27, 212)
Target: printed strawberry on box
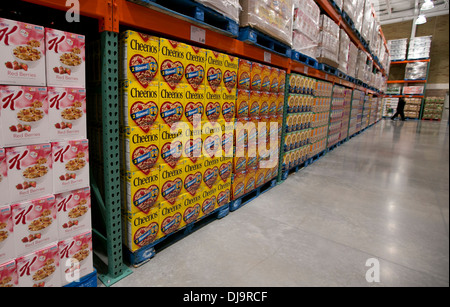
(74, 212)
(30, 173)
(40, 268)
(66, 57)
(7, 251)
(67, 113)
(8, 274)
(35, 224)
(22, 53)
(70, 165)
(25, 117)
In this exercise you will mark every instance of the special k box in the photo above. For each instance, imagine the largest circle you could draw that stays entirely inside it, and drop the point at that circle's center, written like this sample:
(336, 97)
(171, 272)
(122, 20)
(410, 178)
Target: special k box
(22, 52)
(230, 71)
(65, 58)
(8, 274)
(214, 70)
(40, 268)
(171, 103)
(24, 115)
(195, 67)
(213, 104)
(244, 72)
(141, 192)
(272, 104)
(35, 224)
(171, 181)
(3, 178)
(67, 113)
(140, 105)
(140, 58)
(194, 105)
(172, 62)
(171, 216)
(228, 105)
(70, 165)
(141, 229)
(255, 76)
(238, 185)
(265, 78)
(76, 259)
(242, 104)
(141, 148)
(30, 173)
(192, 208)
(74, 212)
(7, 251)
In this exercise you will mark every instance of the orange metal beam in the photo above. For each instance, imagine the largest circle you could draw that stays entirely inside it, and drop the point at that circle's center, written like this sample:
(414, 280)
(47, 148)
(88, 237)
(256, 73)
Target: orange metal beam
(409, 61)
(407, 81)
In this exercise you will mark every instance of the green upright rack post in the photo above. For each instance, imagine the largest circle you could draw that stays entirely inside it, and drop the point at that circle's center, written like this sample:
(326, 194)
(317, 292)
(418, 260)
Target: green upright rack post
(283, 129)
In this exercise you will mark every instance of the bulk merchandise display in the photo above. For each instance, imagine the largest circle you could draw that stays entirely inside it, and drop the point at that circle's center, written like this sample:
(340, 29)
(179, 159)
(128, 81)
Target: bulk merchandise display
(356, 112)
(412, 107)
(433, 108)
(339, 115)
(390, 106)
(45, 210)
(305, 35)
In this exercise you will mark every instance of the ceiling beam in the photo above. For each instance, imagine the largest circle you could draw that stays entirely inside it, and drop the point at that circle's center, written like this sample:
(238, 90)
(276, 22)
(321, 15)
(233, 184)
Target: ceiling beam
(396, 18)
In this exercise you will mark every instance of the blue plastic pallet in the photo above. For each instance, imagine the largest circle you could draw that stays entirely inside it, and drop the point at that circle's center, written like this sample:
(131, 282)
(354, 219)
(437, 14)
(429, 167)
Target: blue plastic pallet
(144, 254)
(88, 281)
(327, 68)
(315, 158)
(300, 57)
(194, 11)
(255, 37)
(292, 170)
(246, 198)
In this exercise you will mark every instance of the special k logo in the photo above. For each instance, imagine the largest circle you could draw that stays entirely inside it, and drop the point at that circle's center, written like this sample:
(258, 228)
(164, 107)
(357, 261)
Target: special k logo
(26, 268)
(15, 161)
(56, 100)
(21, 218)
(53, 44)
(4, 34)
(59, 155)
(62, 205)
(10, 100)
(64, 253)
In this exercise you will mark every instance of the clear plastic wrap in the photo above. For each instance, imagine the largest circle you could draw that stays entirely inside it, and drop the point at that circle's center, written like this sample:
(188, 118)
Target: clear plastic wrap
(344, 48)
(229, 8)
(397, 49)
(419, 47)
(416, 71)
(271, 17)
(328, 25)
(367, 24)
(304, 44)
(352, 60)
(359, 15)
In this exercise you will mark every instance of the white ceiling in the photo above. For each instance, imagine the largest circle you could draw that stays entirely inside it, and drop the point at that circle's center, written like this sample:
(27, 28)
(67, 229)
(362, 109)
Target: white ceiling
(393, 11)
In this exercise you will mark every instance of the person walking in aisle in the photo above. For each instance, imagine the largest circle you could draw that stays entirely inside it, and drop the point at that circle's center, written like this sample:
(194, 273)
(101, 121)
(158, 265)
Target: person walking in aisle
(400, 109)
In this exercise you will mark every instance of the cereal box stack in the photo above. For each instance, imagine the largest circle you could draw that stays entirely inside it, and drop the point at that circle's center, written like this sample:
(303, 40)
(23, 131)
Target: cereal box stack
(259, 112)
(44, 156)
(321, 116)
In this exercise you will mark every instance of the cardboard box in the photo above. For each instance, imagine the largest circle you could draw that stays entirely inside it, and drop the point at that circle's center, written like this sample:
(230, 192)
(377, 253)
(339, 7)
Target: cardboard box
(264, 104)
(171, 103)
(214, 70)
(141, 192)
(274, 75)
(35, 224)
(193, 178)
(141, 229)
(281, 81)
(273, 97)
(4, 186)
(66, 58)
(225, 169)
(171, 181)
(255, 76)
(211, 172)
(30, 172)
(40, 268)
(230, 67)
(228, 107)
(171, 216)
(223, 197)
(192, 208)
(172, 62)
(74, 212)
(7, 251)
(25, 117)
(70, 165)
(139, 54)
(253, 104)
(76, 259)
(67, 113)
(250, 180)
(195, 67)
(227, 139)
(265, 78)
(194, 106)
(213, 104)
(238, 185)
(209, 202)
(244, 72)
(8, 274)
(242, 104)
(22, 53)
(172, 141)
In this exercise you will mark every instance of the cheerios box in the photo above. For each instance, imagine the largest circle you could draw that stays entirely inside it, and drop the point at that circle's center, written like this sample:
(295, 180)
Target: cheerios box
(22, 53)
(35, 224)
(250, 180)
(212, 139)
(140, 148)
(214, 70)
(67, 113)
(223, 194)
(65, 58)
(192, 208)
(74, 212)
(76, 258)
(230, 71)
(194, 106)
(141, 192)
(171, 181)
(70, 165)
(25, 117)
(140, 229)
(171, 103)
(139, 54)
(213, 104)
(244, 72)
(30, 172)
(140, 105)
(193, 178)
(211, 172)
(172, 141)
(40, 268)
(265, 78)
(228, 107)
(209, 203)
(7, 250)
(8, 274)
(195, 67)
(171, 216)
(172, 62)
(227, 139)
(192, 151)
(238, 185)
(281, 81)
(274, 72)
(4, 188)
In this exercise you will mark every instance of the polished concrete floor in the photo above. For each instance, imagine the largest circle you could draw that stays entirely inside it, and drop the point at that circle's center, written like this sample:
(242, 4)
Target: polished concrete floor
(384, 195)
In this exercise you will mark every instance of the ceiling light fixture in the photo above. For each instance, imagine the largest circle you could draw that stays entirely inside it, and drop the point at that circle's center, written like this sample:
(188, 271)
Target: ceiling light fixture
(421, 20)
(427, 5)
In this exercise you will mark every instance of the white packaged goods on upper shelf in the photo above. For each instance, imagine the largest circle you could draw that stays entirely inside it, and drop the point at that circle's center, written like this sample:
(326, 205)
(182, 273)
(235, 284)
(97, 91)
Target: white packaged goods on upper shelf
(271, 17)
(344, 48)
(229, 8)
(416, 71)
(306, 27)
(419, 48)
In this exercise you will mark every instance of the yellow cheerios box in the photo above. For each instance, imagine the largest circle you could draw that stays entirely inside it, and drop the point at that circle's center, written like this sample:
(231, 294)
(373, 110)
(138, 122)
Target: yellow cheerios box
(274, 72)
(140, 151)
(171, 103)
(281, 81)
(214, 70)
(230, 71)
(238, 185)
(227, 139)
(193, 178)
(172, 62)
(194, 105)
(213, 104)
(223, 196)
(192, 209)
(140, 105)
(209, 199)
(141, 191)
(242, 103)
(225, 169)
(141, 229)
(272, 104)
(172, 142)
(193, 149)
(212, 139)
(260, 177)
(140, 57)
(195, 69)
(171, 216)
(211, 172)
(264, 104)
(228, 106)
(171, 181)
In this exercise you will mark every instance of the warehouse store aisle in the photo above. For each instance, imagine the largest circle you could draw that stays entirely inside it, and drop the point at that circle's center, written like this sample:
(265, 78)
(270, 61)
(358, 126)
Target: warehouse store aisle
(382, 195)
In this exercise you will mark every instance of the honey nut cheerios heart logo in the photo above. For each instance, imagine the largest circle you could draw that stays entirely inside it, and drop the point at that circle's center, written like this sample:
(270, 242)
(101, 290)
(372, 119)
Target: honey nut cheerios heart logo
(213, 111)
(171, 223)
(194, 75)
(192, 182)
(225, 171)
(171, 189)
(239, 190)
(191, 214)
(144, 114)
(228, 111)
(223, 198)
(172, 72)
(171, 153)
(210, 176)
(171, 112)
(214, 77)
(144, 199)
(209, 205)
(192, 109)
(146, 235)
(144, 158)
(229, 79)
(144, 69)
(193, 149)
(211, 145)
